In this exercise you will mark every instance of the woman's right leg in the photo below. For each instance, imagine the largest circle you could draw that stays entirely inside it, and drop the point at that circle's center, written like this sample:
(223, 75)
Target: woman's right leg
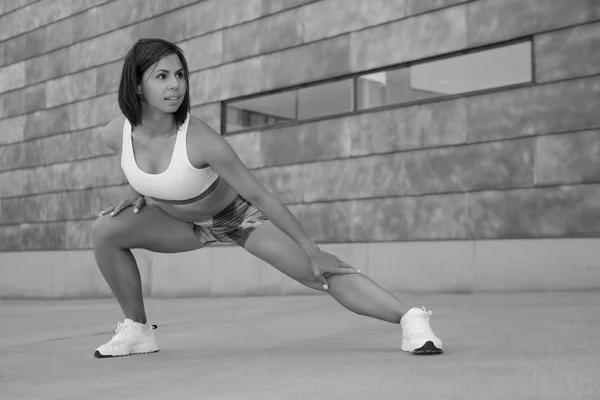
(114, 237)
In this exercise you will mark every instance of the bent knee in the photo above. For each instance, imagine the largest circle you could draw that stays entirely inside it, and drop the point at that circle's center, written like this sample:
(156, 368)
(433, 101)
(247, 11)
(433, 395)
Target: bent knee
(105, 228)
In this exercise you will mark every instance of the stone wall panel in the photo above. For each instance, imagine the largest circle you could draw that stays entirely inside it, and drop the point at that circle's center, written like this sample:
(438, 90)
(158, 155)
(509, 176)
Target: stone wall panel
(567, 211)
(10, 238)
(208, 16)
(568, 158)
(14, 103)
(266, 35)
(328, 18)
(308, 142)
(97, 172)
(61, 33)
(47, 207)
(16, 49)
(507, 164)
(11, 5)
(12, 156)
(69, 88)
(312, 62)
(410, 218)
(567, 53)
(205, 87)
(204, 51)
(109, 77)
(409, 39)
(36, 42)
(287, 183)
(47, 122)
(47, 236)
(248, 148)
(11, 183)
(12, 129)
(78, 235)
(489, 165)
(550, 108)
(492, 21)
(34, 98)
(326, 222)
(12, 77)
(427, 125)
(92, 112)
(242, 77)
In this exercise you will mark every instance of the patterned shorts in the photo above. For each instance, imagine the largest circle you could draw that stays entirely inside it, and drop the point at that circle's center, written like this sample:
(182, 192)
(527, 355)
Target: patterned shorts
(234, 224)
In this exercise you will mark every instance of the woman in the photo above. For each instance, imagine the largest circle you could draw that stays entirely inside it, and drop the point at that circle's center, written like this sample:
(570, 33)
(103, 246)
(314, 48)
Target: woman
(192, 190)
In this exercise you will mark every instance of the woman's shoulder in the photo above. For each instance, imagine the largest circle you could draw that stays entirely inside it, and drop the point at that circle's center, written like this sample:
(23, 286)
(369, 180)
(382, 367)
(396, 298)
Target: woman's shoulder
(203, 141)
(111, 134)
(201, 133)
(198, 127)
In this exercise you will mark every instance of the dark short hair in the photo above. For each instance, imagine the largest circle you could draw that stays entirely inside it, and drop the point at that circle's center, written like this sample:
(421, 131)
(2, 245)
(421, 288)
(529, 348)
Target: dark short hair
(139, 58)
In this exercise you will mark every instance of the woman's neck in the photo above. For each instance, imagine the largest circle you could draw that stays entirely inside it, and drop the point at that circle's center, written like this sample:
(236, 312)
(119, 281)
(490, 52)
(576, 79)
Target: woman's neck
(157, 124)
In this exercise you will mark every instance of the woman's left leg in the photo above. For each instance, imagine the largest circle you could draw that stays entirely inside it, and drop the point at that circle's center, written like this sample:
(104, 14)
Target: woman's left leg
(356, 292)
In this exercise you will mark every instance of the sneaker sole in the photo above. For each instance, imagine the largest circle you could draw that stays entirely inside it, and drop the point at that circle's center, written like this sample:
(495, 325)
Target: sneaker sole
(428, 348)
(97, 354)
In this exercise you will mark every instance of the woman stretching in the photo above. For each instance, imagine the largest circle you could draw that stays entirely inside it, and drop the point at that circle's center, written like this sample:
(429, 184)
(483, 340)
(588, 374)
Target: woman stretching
(191, 190)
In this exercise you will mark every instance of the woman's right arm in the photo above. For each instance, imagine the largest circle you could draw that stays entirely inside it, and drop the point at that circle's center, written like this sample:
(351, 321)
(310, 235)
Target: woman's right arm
(111, 137)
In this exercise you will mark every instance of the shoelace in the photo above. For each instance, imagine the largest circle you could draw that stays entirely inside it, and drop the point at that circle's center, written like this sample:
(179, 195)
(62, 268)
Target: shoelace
(122, 329)
(421, 322)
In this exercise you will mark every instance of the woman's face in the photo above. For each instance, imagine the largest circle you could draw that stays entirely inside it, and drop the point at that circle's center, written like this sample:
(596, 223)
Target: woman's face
(164, 84)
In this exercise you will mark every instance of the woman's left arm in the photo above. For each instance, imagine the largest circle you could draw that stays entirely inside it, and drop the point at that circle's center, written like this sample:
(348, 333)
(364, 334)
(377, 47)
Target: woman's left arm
(221, 157)
(225, 162)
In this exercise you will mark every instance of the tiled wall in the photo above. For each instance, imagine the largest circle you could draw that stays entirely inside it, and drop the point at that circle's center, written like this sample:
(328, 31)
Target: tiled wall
(520, 163)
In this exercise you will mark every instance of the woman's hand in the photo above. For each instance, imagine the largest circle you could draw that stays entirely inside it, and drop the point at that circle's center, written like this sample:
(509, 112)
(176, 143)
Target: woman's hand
(137, 202)
(325, 264)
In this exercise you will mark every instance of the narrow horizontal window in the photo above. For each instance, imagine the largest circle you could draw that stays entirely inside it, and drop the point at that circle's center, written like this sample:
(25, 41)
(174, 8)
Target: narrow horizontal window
(474, 71)
(486, 69)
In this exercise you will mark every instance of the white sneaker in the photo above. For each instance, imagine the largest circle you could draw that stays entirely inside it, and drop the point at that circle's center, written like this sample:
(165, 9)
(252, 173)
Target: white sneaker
(417, 336)
(131, 338)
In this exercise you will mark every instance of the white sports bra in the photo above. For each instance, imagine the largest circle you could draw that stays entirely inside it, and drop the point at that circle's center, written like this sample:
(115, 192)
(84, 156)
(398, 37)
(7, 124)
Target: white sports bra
(180, 181)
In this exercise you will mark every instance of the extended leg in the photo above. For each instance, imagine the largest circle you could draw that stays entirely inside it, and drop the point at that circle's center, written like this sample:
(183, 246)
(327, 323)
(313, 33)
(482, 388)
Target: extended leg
(356, 292)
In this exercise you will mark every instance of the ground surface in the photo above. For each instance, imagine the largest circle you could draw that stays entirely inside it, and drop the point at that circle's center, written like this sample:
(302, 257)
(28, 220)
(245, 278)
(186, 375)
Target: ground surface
(497, 346)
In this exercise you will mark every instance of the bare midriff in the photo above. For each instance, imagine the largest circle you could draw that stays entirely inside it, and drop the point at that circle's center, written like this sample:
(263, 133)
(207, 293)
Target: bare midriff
(202, 209)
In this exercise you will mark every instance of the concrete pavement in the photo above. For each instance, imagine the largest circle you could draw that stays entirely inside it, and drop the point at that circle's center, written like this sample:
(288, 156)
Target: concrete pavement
(497, 346)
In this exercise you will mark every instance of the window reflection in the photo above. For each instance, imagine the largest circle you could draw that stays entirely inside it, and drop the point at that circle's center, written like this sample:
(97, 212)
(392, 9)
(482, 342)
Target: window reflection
(327, 99)
(260, 111)
(311, 102)
(486, 69)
